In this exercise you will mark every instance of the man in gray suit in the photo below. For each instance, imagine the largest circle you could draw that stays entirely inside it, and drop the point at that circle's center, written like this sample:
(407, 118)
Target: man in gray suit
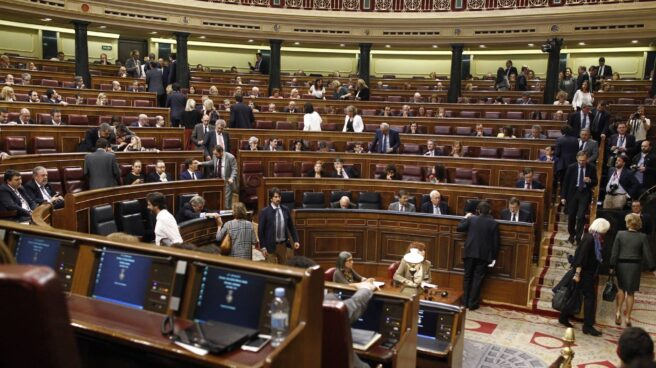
(154, 83)
(133, 65)
(198, 134)
(100, 167)
(403, 205)
(224, 166)
(589, 145)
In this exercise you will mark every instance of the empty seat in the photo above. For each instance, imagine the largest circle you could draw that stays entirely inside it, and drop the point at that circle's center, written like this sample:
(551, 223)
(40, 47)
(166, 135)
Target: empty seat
(288, 199)
(251, 178)
(74, 119)
(15, 145)
(328, 275)
(489, 152)
(142, 103)
(283, 169)
(54, 179)
(463, 131)
(369, 201)
(105, 86)
(515, 115)
(368, 112)
(264, 124)
(411, 149)
(68, 84)
(511, 153)
(469, 114)
(371, 127)
(394, 98)
(331, 127)
(118, 102)
(43, 118)
(492, 115)
(129, 218)
(554, 133)
(412, 173)
(442, 130)
(171, 144)
(102, 220)
(625, 101)
(44, 145)
(465, 176)
(49, 83)
(150, 142)
(313, 200)
(73, 177)
(284, 125)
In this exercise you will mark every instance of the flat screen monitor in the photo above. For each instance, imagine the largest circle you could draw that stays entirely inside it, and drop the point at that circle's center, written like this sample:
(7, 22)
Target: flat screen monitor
(122, 278)
(37, 250)
(428, 319)
(230, 296)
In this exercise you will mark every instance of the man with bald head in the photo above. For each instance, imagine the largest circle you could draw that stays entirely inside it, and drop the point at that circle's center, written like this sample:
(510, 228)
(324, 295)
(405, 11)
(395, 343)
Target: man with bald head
(386, 140)
(435, 206)
(345, 204)
(142, 122)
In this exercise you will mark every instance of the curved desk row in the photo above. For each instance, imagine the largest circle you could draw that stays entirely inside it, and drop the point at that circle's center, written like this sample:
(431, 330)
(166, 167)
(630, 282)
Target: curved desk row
(92, 112)
(92, 93)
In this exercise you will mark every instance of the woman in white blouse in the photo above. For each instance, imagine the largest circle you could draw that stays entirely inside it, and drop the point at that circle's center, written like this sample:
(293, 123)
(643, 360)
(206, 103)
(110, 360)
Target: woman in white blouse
(582, 96)
(352, 121)
(311, 119)
(317, 90)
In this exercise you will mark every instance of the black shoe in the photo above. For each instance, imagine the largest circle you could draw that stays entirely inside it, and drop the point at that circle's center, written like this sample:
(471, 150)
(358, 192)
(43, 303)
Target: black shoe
(591, 331)
(571, 239)
(565, 322)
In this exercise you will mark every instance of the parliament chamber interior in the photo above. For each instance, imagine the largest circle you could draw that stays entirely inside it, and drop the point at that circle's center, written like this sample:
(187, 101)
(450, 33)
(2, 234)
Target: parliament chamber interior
(327, 183)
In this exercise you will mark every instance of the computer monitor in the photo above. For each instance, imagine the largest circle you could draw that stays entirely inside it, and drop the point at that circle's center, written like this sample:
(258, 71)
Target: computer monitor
(436, 320)
(382, 315)
(427, 324)
(56, 253)
(134, 280)
(235, 296)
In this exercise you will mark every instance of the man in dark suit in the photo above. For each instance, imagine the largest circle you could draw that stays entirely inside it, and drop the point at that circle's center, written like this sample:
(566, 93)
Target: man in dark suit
(194, 209)
(100, 167)
(192, 172)
(14, 198)
(435, 205)
(25, 117)
(514, 213)
(343, 172)
(576, 194)
(56, 118)
(403, 204)
(600, 121)
(622, 184)
(522, 80)
(273, 145)
(583, 76)
(644, 164)
(133, 65)
(291, 108)
(528, 182)
(200, 130)
(155, 83)
(589, 145)
(580, 119)
(636, 208)
(481, 248)
(510, 69)
(216, 137)
(604, 71)
(173, 73)
(261, 64)
(40, 191)
(223, 165)
(622, 142)
(344, 203)
(241, 116)
(432, 150)
(104, 131)
(275, 227)
(142, 122)
(177, 102)
(524, 100)
(160, 175)
(386, 140)
(565, 154)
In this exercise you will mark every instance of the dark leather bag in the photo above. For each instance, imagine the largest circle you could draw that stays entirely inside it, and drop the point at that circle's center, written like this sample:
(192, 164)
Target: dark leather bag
(610, 291)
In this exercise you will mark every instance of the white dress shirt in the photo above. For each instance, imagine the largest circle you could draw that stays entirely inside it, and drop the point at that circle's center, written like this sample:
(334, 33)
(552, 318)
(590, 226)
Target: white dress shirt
(358, 125)
(312, 122)
(166, 229)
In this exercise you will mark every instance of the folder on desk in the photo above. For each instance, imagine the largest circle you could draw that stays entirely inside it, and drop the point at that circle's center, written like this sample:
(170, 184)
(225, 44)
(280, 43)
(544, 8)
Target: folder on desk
(363, 339)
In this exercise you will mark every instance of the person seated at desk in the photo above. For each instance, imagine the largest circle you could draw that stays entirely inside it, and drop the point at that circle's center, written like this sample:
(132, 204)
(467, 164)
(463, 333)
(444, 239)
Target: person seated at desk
(437, 175)
(160, 175)
(40, 191)
(344, 272)
(414, 268)
(13, 197)
(344, 203)
(192, 172)
(194, 209)
(343, 172)
(136, 175)
(317, 171)
(104, 130)
(435, 206)
(390, 173)
(403, 205)
(528, 182)
(514, 214)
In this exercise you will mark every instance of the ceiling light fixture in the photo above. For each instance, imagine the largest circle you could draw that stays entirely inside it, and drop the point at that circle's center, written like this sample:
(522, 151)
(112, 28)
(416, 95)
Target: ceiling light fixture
(581, 43)
(482, 46)
(153, 32)
(531, 44)
(46, 19)
(250, 41)
(341, 45)
(634, 41)
(102, 27)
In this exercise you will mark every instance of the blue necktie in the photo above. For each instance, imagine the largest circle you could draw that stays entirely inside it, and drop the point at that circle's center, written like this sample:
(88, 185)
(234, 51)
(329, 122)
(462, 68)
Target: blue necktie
(580, 184)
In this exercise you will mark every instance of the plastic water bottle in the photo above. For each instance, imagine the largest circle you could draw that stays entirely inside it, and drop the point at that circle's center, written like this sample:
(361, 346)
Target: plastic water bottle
(279, 317)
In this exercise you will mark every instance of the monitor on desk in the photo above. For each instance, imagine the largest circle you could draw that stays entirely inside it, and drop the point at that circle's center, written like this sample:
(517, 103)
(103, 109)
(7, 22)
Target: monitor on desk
(58, 254)
(235, 296)
(435, 325)
(134, 280)
(383, 315)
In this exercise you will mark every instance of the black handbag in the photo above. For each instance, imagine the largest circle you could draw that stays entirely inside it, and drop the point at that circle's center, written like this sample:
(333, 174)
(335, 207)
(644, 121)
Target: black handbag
(560, 297)
(610, 291)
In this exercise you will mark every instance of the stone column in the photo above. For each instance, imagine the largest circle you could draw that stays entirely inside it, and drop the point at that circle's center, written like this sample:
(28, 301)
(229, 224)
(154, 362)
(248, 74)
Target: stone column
(82, 51)
(274, 65)
(365, 61)
(551, 85)
(182, 59)
(455, 81)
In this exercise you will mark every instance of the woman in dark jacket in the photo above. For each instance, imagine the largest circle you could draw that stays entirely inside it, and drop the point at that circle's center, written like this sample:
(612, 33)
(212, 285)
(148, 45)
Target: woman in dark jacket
(629, 249)
(587, 259)
(189, 118)
(344, 272)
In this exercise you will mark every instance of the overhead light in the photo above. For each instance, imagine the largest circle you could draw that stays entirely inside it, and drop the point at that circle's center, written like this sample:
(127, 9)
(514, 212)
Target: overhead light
(102, 27)
(250, 41)
(435, 46)
(297, 43)
(46, 19)
(341, 45)
(482, 46)
(202, 37)
(153, 32)
(531, 44)
(581, 43)
(388, 46)
(634, 41)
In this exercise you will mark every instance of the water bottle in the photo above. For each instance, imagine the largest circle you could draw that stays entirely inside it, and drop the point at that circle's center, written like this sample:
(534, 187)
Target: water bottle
(279, 317)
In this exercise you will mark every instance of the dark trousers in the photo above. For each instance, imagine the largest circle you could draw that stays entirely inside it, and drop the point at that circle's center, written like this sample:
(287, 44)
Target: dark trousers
(588, 289)
(577, 207)
(475, 270)
(161, 100)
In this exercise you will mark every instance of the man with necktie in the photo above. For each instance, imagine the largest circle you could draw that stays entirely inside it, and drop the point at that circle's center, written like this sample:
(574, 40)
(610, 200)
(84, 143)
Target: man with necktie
(224, 166)
(192, 172)
(275, 228)
(581, 119)
(600, 121)
(133, 65)
(200, 131)
(528, 182)
(40, 190)
(514, 213)
(604, 71)
(621, 143)
(435, 206)
(621, 185)
(403, 205)
(14, 198)
(576, 194)
(644, 164)
(386, 140)
(587, 144)
(343, 172)
(217, 137)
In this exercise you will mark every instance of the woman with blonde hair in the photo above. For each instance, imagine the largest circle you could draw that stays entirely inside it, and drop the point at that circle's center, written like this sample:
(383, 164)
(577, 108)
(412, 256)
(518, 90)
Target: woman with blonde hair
(213, 91)
(102, 100)
(189, 118)
(456, 150)
(241, 231)
(630, 249)
(7, 94)
(353, 121)
(134, 145)
(136, 175)
(294, 95)
(561, 99)
(210, 110)
(361, 90)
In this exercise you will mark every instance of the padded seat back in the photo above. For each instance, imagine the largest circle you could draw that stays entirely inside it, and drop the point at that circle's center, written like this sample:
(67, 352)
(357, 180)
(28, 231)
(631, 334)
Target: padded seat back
(149, 142)
(391, 270)
(284, 125)
(283, 169)
(35, 310)
(442, 130)
(313, 200)
(369, 201)
(465, 176)
(411, 149)
(54, 179)
(49, 83)
(171, 144)
(412, 173)
(44, 145)
(463, 131)
(129, 218)
(264, 124)
(489, 152)
(394, 98)
(492, 115)
(511, 153)
(469, 114)
(328, 275)
(102, 220)
(288, 199)
(15, 145)
(336, 344)
(471, 204)
(118, 102)
(42, 118)
(142, 103)
(371, 127)
(74, 180)
(74, 119)
(515, 115)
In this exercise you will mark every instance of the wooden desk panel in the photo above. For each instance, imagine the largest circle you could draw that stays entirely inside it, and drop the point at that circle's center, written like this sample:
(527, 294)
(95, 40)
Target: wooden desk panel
(386, 235)
(91, 111)
(67, 137)
(92, 93)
